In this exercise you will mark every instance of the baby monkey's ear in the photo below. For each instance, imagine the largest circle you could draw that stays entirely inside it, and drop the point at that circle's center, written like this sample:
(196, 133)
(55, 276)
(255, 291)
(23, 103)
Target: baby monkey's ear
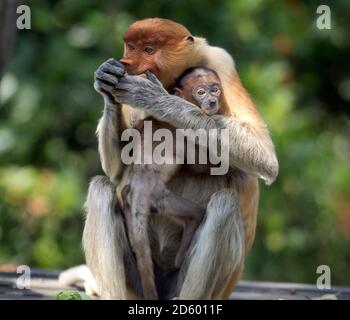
(177, 92)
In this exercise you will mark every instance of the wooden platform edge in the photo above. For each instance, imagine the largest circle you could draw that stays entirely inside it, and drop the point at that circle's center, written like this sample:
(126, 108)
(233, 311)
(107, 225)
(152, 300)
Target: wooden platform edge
(44, 285)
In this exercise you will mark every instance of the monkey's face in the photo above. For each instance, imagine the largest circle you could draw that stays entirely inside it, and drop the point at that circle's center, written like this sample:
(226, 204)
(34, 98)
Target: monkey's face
(201, 87)
(207, 97)
(158, 45)
(139, 57)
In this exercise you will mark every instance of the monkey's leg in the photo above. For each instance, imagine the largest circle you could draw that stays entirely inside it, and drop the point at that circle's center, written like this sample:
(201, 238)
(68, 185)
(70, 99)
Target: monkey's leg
(105, 242)
(142, 249)
(137, 222)
(178, 207)
(231, 283)
(186, 213)
(189, 229)
(216, 251)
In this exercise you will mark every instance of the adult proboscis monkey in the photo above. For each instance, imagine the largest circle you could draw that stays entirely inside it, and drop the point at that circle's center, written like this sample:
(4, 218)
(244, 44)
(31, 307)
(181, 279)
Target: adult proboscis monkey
(164, 49)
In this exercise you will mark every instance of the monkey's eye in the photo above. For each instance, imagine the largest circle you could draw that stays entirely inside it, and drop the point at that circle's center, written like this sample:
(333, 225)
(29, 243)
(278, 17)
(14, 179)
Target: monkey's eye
(201, 92)
(148, 50)
(130, 46)
(216, 91)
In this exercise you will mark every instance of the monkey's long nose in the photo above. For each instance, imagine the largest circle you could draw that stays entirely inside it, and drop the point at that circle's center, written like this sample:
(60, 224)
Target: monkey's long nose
(125, 62)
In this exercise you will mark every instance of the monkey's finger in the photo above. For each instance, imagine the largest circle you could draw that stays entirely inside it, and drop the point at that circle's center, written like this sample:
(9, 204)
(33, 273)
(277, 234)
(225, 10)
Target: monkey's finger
(101, 75)
(124, 85)
(103, 87)
(131, 82)
(120, 93)
(118, 71)
(115, 63)
(151, 76)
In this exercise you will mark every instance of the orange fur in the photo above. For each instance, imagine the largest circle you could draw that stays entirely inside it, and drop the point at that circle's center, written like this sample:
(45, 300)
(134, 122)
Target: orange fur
(170, 38)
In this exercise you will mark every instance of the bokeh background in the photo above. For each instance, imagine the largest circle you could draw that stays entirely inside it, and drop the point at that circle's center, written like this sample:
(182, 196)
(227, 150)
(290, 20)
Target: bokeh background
(297, 75)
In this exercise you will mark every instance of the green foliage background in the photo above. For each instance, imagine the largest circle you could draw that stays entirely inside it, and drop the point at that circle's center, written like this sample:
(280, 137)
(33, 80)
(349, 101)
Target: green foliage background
(297, 75)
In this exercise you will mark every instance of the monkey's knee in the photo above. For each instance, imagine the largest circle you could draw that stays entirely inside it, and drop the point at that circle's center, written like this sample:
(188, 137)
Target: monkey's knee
(226, 224)
(223, 208)
(100, 187)
(228, 231)
(100, 205)
(102, 209)
(100, 214)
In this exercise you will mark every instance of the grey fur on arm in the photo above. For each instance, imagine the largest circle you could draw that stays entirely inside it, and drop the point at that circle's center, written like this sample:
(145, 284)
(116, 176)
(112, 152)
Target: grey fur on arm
(110, 125)
(109, 146)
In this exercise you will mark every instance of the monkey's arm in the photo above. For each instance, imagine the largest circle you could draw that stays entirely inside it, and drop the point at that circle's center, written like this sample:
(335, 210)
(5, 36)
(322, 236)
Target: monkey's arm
(109, 147)
(250, 147)
(110, 125)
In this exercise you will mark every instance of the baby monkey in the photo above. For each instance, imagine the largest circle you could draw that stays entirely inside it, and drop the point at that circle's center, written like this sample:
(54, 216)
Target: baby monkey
(202, 87)
(143, 190)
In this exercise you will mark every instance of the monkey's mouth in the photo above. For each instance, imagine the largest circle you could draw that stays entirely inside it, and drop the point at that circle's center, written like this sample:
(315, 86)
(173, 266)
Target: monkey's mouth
(132, 72)
(210, 110)
(136, 71)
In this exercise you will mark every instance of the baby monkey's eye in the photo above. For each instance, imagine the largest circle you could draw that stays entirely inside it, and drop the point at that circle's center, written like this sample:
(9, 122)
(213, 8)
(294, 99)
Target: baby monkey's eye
(148, 50)
(201, 92)
(215, 91)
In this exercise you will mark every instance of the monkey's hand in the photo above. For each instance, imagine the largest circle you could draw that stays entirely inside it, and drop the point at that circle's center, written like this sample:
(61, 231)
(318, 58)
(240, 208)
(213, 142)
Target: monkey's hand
(107, 77)
(139, 92)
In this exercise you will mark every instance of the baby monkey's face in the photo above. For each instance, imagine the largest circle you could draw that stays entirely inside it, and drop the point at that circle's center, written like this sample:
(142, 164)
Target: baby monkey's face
(202, 88)
(207, 97)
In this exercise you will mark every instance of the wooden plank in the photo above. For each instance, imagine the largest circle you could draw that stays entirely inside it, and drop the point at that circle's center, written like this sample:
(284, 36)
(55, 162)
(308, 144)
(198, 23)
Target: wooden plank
(290, 286)
(265, 296)
(293, 289)
(45, 285)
